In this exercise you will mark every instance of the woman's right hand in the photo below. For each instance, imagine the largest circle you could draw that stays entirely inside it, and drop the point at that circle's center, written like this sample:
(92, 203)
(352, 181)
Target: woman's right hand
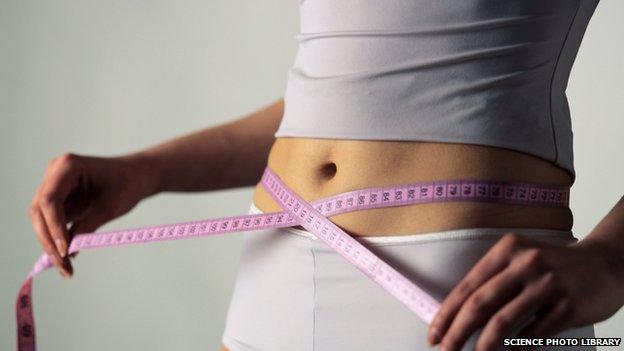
(87, 192)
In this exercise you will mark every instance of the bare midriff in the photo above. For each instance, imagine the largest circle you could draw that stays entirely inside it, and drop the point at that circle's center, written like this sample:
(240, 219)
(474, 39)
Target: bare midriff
(317, 168)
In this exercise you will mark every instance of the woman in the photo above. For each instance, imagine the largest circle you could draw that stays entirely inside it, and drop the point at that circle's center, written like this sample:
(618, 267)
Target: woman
(388, 93)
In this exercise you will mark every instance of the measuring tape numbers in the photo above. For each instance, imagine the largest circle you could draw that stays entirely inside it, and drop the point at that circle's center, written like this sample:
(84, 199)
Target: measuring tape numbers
(313, 217)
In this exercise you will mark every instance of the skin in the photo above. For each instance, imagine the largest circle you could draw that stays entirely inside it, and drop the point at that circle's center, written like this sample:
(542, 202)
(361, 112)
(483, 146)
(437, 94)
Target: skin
(514, 279)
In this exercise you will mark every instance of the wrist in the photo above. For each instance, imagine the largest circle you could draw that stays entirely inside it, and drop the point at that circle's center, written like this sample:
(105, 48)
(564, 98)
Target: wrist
(611, 256)
(141, 171)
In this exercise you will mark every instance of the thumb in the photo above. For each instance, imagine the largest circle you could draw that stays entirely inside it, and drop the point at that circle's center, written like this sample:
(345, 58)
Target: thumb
(94, 218)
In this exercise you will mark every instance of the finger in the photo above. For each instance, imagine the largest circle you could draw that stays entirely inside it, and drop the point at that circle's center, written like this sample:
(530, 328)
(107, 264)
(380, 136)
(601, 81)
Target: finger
(53, 193)
(72, 234)
(60, 181)
(551, 322)
(516, 312)
(55, 220)
(495, 260)
(93, 220)
(481, 305)
(44, 239)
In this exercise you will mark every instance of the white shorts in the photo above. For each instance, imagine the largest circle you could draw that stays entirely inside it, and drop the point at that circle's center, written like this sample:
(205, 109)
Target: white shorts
(294, 293)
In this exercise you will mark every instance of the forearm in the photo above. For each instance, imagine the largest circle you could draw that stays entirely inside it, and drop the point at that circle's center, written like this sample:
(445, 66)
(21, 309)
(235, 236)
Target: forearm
(230, 155)
(608, 235)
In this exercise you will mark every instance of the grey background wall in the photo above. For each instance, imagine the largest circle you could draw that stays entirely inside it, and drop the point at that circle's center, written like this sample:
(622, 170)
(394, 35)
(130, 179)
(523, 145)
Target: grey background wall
(110, 77)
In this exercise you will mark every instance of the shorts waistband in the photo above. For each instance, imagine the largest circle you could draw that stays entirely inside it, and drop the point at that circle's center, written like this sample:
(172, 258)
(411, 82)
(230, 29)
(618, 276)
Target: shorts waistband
(453, 234)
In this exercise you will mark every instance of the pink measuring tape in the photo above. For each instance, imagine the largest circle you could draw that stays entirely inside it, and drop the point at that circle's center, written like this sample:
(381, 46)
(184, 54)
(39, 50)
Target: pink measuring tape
(313, 217)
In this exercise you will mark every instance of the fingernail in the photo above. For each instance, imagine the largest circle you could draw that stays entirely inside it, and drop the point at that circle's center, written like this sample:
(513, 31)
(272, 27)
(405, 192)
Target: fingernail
(64, 273)
(443, 348)
(434, 336)
(60, 246)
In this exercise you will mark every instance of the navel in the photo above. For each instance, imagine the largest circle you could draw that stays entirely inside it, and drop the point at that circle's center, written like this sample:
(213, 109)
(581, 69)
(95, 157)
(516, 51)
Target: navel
(328, 170)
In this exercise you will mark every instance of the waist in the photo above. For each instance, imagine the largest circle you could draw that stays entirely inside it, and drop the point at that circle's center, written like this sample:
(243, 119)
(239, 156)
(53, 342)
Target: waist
(316, 168)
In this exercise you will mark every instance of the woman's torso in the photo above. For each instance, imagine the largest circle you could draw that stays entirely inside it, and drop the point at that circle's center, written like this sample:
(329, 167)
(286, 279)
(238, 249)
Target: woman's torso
(408, 91)
(317, 168)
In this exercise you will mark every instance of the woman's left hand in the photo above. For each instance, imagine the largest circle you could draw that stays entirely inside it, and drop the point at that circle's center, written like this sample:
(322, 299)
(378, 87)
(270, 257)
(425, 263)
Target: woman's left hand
(563, 286)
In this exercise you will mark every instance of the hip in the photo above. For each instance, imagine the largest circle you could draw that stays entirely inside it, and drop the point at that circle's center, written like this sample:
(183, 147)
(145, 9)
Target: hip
(293, 292)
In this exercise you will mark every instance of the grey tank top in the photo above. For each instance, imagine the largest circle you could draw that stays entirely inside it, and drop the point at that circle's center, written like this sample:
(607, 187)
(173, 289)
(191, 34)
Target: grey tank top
(487, 72)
